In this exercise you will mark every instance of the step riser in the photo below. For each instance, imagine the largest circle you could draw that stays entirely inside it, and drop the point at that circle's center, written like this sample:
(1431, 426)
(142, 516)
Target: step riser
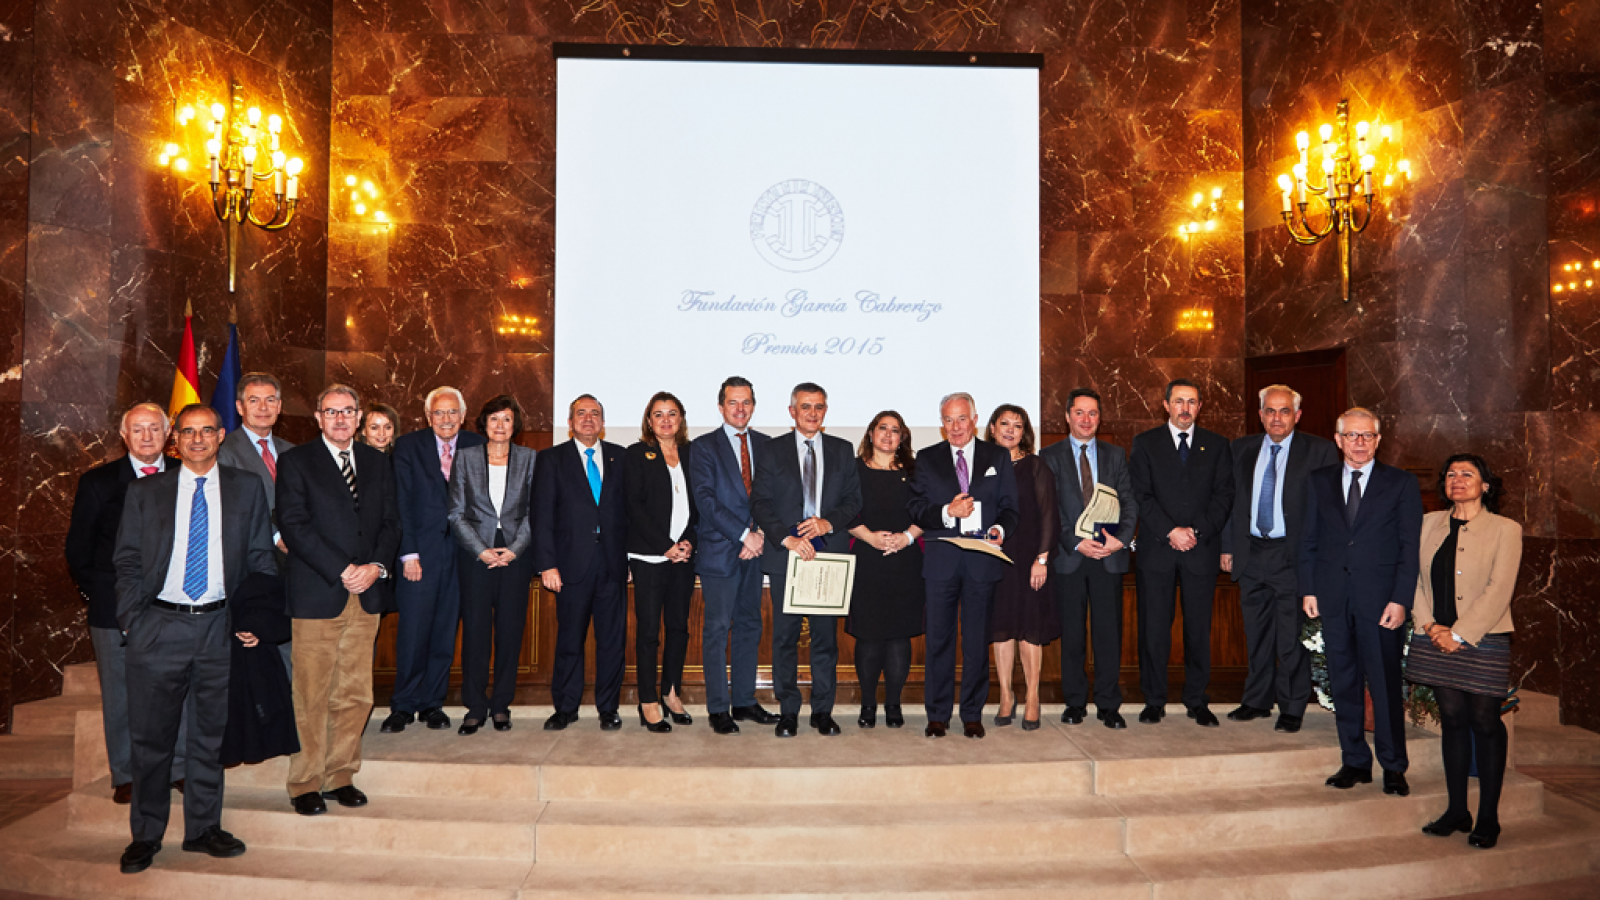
(38, 718)
(785, 786)
(82, 679)
(1244, 770)
(412, 779)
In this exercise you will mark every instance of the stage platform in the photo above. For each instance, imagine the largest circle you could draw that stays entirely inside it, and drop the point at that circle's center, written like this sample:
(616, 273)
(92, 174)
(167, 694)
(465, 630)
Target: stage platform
(1165, 811)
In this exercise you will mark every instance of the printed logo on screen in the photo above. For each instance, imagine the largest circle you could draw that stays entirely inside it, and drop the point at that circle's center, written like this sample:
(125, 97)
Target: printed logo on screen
(797, 225)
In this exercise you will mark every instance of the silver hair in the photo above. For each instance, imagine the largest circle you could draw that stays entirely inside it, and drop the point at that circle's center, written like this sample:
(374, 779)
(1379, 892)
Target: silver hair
(337, 388)
(959, 395)
(1280, 389)
(1359, 412)
(165, 424)
(461, 401)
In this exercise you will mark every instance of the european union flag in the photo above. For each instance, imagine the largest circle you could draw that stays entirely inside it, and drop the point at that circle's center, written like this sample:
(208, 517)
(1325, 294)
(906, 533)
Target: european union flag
(222, 398)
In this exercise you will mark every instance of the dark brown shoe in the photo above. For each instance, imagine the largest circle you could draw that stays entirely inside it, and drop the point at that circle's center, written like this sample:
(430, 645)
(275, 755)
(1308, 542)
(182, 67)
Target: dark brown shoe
(122, 793)
(935, 729)
(972, 729)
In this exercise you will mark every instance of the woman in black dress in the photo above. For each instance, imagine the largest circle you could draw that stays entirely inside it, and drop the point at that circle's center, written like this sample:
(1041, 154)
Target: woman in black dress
(886, 606)
(1023, 608)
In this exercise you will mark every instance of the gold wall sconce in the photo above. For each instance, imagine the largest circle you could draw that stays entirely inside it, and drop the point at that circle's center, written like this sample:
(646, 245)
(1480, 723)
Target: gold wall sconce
(1575, 277)
(366, 202)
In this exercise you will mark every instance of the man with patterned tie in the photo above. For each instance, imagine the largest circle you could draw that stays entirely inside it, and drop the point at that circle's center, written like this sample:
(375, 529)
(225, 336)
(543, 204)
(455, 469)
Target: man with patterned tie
(1259, 548)
(428, 593)
(580, 550)
(337, 510)
(188, 538)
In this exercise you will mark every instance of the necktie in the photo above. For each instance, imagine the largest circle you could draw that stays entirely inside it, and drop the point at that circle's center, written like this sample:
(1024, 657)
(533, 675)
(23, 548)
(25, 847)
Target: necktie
(194, 565)
(349, 473)
(1085, 475)
(1183, 447)
(1269, 493)
(1352, 503)
(149, 470)
(963, 477)
(267, 460)
(744, 460)
(594, 475)
(445, 458)
(808, 480)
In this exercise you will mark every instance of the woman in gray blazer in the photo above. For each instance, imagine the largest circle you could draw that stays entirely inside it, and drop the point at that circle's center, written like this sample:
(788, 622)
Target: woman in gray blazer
(491, 498)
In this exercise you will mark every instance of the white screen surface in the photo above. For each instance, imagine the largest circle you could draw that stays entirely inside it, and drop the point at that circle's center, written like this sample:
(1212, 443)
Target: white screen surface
(870, 228)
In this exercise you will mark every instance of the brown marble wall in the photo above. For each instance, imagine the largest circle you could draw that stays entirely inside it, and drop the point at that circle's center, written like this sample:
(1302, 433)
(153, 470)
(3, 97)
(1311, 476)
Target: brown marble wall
(102, 249)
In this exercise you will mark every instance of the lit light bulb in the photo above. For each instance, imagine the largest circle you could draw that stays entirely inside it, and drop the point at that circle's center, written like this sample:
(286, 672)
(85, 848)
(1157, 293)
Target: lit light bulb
(1556, 289)
(274, 123)
(213, 147)
(1385, 133)
(1284, 184)
(1211, 224)
(181, 164)
(1597, 264)
(1216, 193)
(186, 113)
(1368, 162)
(1183, 232)
(381, 216)
(1327, 164)
(277, 159)
(1302, 140)
(1326, 131)
(170, 150)
(253, 114)
(1194, 227)
(164, 159)
(355, 196)
(1361, 130)
(369, 188)
(249, 154)
(1405, 167)
(360, 210)
(349, 181)
(1197, 199)
(295, 165)
(1588, 283)
(217, 111)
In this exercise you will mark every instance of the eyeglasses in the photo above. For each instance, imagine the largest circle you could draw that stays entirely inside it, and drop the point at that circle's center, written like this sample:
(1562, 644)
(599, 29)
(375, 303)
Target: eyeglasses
(445, 414)
(346, 413)
(262, 401)
(189, 433)
(1359, 437)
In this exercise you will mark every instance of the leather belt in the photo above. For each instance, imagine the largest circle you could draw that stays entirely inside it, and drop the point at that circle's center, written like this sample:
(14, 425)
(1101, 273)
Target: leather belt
(190, 608)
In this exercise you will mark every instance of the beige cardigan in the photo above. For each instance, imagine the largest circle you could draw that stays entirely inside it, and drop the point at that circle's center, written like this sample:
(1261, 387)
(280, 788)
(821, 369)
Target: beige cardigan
(1488, 552)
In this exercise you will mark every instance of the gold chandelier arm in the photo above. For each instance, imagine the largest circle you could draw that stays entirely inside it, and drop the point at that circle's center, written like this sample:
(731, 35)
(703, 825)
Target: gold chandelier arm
(272, 224)
(1366, 217)
(1311, 235)
(268, 223)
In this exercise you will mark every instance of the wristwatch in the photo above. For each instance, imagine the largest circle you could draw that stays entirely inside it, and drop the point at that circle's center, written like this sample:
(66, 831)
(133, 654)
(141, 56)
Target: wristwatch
(383, 571)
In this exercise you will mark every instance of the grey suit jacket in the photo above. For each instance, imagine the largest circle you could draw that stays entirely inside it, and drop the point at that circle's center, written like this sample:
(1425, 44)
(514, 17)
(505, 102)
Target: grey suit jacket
(472, 515)
(1111, 466)
(240, 451)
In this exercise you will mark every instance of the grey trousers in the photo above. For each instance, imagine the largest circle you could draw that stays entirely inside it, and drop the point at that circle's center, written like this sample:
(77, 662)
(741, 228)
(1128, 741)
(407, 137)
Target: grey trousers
(110, 663)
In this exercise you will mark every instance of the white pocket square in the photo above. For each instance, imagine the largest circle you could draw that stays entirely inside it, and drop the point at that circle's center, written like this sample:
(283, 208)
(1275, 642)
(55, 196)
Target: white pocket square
(990, 472)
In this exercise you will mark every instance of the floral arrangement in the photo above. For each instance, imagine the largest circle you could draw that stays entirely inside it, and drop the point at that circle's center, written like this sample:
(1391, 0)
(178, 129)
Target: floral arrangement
(1421, 707)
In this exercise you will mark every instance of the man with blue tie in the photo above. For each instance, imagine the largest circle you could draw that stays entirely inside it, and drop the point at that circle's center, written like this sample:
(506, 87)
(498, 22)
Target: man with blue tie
(580, 550)
(728, 559)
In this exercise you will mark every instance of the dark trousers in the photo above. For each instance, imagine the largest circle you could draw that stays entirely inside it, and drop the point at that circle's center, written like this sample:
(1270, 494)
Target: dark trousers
(174, 658)
(786, 655)
(494, 615)
(602, 599)
(425, 632)
(1361, 653)
(892, 660)
(110, 663)
(1280, 666)
(1090, 602)
(732, 617)
(962, 601)
(1157, 605)
(661, 596)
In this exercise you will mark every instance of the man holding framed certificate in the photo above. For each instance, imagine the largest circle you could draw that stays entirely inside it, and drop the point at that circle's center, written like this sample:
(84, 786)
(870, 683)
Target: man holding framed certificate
(805, 494)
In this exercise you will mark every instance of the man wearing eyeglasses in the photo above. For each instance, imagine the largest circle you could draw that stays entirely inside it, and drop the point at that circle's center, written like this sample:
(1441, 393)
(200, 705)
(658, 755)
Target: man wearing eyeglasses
(1358, 571)
(337, 511)
(427, 595)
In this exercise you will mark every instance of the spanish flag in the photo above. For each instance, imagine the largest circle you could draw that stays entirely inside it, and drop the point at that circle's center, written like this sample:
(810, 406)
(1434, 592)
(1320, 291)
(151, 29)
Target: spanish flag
(186, 381)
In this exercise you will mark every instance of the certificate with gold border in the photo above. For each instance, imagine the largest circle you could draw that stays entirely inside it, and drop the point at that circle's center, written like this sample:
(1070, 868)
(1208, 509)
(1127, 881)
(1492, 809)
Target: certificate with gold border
(820, 586)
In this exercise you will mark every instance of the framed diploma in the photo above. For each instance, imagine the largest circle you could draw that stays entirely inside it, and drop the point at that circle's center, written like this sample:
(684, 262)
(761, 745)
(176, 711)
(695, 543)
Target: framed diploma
(820, 586)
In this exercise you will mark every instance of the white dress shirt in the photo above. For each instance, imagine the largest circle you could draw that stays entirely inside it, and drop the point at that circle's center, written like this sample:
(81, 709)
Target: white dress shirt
(172, 588)
(599, 457)
(335, 451)
(497, 484)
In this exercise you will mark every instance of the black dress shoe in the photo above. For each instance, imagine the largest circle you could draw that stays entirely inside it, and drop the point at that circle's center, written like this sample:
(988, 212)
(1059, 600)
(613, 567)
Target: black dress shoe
(434, 718)
(309, 804)
(348, 796)
(1287, 724)
(1073, 715)
(396, 722)
(868, 717)
(723, 723)
(972, 729)
(139, 855)
(659, 726)
(754, 713)
(1246, 712)
(1395, 783)
(824, 723)
(678, 718)
(1446, 825)
(216, 842)
(1203, 716)
(502, 721)
(788, 726)
(559, 720)
(610, 721)
(1151, 715)
(892, 716)
(935, 729)
(1111, 718)
(1483, 840)
(1348, 777)
(469, 726)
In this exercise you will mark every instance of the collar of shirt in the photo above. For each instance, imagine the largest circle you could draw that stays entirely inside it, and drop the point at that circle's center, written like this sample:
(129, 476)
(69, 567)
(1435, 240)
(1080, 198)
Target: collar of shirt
(1077, 454)
(733, 441)
(257, 437)
(1362, 469)
(1266, 445)
(336, 451)
(160, 464)
(583, 458)
(969, 451)
(442, 443)
(1176, 431)
(816, 444)
(186, 476)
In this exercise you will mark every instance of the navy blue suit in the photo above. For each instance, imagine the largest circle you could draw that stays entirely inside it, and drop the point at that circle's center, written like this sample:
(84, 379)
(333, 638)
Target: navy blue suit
(1355, 571)
(587, 543)
(429, 609)
(730, 586)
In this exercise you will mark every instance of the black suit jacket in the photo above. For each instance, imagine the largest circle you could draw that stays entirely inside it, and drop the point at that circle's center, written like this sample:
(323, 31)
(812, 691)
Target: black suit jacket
(1171, 495)
(1376, 562)
(1111, 464)
(934, 485)
(1307, 453)
(146, 539)
(650, 498)
(92, 536)
(565, 516)
(778, 502)
(326, 532)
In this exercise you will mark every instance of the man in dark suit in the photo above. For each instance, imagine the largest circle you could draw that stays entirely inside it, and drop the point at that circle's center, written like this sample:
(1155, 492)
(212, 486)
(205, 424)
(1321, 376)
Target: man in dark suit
(806, 489)
(580, 550)
(1259, 549)
(91, 539)
(962, 487)
(428, 594)
(1089, 570)
(337, 513)
(1183, 484)
(728, 560)
(188, 538)
(1358, 568)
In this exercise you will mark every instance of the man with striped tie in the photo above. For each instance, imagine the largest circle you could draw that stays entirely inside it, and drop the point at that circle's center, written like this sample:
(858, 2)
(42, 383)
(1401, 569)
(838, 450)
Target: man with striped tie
(189, 536)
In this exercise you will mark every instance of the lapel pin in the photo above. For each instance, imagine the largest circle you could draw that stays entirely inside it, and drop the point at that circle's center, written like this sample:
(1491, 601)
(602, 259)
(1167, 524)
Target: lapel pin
(649, 455)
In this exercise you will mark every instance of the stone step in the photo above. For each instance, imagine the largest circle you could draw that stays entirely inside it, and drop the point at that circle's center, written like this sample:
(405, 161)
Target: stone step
(407, 778)
(80, 679)
(1555, 745)
(56, 715)
(1536, 709)
(35, 756)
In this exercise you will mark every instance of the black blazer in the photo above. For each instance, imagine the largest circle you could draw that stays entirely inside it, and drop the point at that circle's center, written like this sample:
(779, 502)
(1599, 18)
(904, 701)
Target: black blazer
(92, 536)
(1171, 495)
(1112, 465)
(778, 503)
(326, 532)
(1376, 562)
(145, 538)
(934, 485)
(1307, 453)
(650, 498)
(566, 518)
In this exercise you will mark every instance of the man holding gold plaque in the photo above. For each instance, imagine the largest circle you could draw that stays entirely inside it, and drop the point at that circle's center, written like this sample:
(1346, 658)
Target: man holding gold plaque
(805, 494)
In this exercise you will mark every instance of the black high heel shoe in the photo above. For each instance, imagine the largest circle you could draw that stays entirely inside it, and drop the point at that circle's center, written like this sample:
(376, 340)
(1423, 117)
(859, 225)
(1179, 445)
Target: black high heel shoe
(868, 717)
(661, 727)
(678, 718)
(469, 726)
(892, 716)
(1484, 840)
(1446, 825)
(501, 724)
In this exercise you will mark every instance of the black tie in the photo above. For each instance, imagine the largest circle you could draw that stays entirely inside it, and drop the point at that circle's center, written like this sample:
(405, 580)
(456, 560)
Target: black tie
(1352, 503)
(1183, 447)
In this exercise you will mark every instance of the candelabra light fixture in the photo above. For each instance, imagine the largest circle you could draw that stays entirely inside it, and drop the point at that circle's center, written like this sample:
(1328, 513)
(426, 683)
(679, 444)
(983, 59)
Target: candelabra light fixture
(243, 152)
(1204, 213)
(365, 201)
(1575, 277)
(1346, 186)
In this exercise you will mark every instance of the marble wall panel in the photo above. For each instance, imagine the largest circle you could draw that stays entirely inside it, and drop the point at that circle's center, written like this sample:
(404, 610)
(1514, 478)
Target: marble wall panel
(1575, 448)
(1536, 619)
(1578, 600)
(48, 619)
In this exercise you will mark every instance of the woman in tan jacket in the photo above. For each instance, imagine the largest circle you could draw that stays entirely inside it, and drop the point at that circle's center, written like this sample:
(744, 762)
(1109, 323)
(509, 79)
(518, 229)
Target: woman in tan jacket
(1462, 643)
